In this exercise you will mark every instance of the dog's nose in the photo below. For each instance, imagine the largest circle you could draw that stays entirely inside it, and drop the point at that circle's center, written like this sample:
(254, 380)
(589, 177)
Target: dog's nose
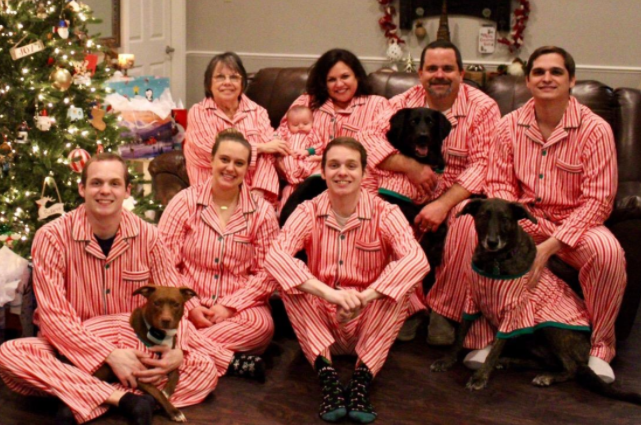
(492, 243)
(166, 324)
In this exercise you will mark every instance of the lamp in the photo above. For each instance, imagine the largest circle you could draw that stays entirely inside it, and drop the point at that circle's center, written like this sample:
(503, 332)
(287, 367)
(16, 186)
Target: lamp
(125, 61)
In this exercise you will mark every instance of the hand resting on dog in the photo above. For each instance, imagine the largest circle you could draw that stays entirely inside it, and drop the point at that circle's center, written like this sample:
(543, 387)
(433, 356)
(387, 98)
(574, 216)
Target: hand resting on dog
(170, 359)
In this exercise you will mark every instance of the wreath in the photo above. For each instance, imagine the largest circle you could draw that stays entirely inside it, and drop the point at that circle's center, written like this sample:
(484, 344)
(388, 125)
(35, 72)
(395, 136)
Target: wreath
(386, 22)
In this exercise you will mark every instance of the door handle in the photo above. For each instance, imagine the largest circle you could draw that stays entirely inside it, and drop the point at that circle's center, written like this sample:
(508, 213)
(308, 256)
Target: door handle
(169, 50)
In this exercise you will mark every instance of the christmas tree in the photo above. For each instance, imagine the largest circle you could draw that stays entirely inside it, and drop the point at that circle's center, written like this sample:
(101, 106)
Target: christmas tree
(52, 115)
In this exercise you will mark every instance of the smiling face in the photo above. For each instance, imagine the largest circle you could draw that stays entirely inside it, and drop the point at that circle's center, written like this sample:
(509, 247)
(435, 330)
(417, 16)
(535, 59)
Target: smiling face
(226, 84)
(549, 80)
(105, 189)
(440, 74)
(343, 171)
(341, 84)
(229, 165)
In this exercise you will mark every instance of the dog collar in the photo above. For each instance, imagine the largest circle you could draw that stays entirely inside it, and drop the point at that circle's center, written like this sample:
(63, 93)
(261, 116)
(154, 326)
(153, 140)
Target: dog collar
(160, 336)
(496, 272)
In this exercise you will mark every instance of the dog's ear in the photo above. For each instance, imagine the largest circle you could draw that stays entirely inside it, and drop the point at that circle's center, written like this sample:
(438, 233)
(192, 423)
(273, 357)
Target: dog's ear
(188, 293)
(444, 126)
(520, 212)
(397, 127)
(145, 291)
(471, 207)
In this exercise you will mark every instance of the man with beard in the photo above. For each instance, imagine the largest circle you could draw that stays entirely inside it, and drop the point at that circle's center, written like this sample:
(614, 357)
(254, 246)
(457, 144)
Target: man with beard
(473, 116)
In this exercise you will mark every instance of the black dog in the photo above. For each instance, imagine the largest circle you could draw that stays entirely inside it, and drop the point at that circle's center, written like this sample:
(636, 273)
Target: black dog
(504, 248)
(418, 133)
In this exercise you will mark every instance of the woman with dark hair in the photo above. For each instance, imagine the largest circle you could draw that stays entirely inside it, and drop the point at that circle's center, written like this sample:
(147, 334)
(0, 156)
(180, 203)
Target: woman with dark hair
(339, 95)
(218, 234)
(225, 106)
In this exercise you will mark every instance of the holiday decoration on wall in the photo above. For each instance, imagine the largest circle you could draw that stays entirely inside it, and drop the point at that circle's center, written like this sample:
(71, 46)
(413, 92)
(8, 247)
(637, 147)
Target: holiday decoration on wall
(419, 31)
(387, 22)
(521, 16)
(77, 159)
(45, 119)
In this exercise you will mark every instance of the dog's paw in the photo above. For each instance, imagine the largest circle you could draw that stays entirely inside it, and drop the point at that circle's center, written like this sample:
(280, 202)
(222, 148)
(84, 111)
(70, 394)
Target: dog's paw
(476, 383)
(178, 416)
(543, 380)
(443, 365)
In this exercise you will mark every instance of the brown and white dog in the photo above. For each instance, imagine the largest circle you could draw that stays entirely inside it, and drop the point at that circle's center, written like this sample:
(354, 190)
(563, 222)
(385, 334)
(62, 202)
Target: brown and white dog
(156, 323)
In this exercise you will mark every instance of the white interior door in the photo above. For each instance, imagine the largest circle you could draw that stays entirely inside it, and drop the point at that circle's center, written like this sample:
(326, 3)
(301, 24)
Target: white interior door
(154, 31)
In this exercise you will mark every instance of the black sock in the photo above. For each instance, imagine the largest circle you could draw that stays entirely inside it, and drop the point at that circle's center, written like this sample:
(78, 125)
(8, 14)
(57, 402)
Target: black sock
(332, 407)
(247, 366)
(360, 408)
(139, 409)
(64, 415)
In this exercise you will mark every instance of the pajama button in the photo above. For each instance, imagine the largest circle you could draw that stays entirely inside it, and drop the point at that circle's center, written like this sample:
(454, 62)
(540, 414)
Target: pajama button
(107, 291)
(215, 276)
(540, 176)
(107, 266)
(538, 199)
(216, 260)
(544, 153)
(342, 237)
(340, 262)
(220, 238)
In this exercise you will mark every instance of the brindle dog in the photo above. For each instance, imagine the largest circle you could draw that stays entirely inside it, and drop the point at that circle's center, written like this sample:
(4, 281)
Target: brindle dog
(503, 243)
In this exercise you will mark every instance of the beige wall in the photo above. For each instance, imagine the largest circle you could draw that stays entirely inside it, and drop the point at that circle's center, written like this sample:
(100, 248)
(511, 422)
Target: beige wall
(602, 35)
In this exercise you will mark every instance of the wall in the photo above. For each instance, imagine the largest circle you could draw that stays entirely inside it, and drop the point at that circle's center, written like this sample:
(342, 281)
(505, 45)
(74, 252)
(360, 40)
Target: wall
(598, 33)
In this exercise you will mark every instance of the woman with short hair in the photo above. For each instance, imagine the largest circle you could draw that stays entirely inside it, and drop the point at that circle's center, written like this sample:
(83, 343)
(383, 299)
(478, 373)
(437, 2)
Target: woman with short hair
(225, 106)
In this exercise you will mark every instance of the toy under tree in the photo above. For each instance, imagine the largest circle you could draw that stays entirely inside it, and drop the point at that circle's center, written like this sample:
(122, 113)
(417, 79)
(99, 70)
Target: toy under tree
(51, 112)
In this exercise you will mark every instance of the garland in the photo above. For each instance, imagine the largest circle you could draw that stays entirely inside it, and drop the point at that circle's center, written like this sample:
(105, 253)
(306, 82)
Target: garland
(521, 15)
(387, 21)
(514, 42)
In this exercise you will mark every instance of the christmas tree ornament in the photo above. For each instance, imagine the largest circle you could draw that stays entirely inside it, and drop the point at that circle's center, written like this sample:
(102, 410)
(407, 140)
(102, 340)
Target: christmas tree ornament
(43, 121)
(97, 115)
(91, 61)
(99, 148)
(74, 113)
(23, 133)
(420, 30)
(63, 29)
(29, 49)
(73, 5)
(41, 11)
(81, 76)
(60, 79)
(45, 212)
(77, 159)
(6, 155)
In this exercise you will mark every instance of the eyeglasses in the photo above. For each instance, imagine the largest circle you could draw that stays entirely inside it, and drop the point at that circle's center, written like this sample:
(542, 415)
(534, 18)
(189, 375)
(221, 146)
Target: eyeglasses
(221, 78)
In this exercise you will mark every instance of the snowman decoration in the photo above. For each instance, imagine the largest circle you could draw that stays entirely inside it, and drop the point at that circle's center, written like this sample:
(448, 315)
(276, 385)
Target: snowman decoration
(394, 53)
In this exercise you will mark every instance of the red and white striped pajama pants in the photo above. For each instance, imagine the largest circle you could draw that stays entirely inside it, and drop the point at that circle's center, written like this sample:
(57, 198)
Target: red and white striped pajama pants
(30, 366)
(370, 335)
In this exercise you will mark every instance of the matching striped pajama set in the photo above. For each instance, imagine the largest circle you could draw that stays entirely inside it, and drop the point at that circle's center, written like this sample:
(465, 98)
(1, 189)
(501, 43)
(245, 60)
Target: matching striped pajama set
(206, 120)
(473, 117)
(75, 284)
(224, 266)
(568, 183)
(376, 249)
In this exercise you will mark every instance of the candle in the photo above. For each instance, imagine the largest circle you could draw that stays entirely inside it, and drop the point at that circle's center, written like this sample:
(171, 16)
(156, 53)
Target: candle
(125, 61)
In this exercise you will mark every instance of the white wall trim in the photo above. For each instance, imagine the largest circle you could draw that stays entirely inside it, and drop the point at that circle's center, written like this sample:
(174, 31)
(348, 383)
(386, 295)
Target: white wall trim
(179, 43)
(305, 59)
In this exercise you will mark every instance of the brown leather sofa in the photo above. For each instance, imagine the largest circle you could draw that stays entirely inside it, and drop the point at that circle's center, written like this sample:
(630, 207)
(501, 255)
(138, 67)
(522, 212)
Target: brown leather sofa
(276, 88)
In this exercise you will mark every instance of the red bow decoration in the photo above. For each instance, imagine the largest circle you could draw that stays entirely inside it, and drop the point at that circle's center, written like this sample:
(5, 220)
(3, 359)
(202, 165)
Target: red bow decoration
(386, 22)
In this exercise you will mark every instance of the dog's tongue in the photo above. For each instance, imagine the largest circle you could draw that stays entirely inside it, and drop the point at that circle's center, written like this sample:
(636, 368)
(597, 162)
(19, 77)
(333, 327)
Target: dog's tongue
(421, 150)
